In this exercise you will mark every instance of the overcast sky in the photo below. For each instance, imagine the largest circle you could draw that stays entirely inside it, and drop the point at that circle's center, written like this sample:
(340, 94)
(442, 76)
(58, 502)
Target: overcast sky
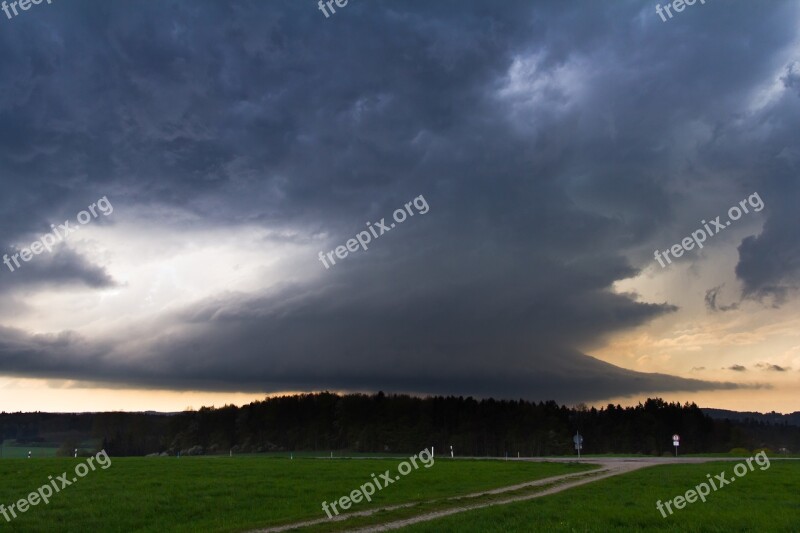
(556, 145)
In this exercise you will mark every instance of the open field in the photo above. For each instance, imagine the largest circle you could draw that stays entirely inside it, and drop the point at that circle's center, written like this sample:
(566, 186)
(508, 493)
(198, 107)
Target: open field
(339, 454)
(222, 494)
(12, 450)
(235, 494)
(728, 455)
(766, 500)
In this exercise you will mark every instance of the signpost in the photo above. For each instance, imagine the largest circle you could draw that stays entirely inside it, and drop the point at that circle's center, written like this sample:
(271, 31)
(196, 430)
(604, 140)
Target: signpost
(578, 440)
(676, 441)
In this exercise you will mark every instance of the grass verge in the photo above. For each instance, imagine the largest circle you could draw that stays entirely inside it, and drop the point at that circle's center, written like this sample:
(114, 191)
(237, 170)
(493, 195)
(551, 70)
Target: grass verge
(767, 500)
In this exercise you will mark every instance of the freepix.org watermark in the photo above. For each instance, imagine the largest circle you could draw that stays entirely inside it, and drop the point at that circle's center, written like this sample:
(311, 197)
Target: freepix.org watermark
(703, 489)
(365, 237)
(45, 492)
(365, 491)
(24, 5)
(699, 236)
(329, 3)
(677, 5)
(59, 234)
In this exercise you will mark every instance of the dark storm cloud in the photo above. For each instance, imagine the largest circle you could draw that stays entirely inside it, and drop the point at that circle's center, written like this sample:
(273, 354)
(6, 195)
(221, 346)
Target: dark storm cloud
(711, 301)
(353, 347)
(769, 263)
(771, 367)
(61, 267)
(737, 368)
(792, 77)
(544, 137)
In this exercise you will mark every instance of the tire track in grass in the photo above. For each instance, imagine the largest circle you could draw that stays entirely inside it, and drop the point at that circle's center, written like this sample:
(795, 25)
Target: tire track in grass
(501, 490)
(608, 470)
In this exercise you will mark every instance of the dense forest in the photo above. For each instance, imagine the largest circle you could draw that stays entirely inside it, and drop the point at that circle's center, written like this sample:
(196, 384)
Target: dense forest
(402, 424)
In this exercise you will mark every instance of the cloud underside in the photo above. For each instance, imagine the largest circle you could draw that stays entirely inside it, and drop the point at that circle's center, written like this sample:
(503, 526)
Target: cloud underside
(591, 380)
(553, 161)
(255, 346)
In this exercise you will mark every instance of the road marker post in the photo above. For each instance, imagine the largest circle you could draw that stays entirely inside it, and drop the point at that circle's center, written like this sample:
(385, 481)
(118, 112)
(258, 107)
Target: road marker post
(578, 440)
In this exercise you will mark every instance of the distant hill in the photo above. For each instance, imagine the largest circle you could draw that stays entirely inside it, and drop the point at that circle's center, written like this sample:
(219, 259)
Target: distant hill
(792, 419)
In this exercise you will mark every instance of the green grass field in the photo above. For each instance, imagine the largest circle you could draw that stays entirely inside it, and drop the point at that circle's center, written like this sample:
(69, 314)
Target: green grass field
(11, 450)
(221, 494)
(233, 494)
(766, 500)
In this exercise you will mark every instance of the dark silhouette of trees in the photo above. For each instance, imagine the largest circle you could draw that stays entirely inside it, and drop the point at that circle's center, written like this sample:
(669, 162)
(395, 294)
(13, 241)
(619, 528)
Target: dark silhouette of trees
(404, 424)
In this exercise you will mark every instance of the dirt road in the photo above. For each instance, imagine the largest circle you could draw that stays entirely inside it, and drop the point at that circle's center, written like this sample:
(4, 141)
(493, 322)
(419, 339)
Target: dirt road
(608, 467)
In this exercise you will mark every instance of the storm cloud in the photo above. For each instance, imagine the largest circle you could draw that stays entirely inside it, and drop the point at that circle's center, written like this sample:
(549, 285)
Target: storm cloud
(556, 144)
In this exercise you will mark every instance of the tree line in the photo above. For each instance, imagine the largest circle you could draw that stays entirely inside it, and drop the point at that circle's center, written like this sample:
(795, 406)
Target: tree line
(324, 422)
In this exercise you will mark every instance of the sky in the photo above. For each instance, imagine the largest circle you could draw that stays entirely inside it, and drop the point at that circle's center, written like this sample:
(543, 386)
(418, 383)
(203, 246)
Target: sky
(217, 161)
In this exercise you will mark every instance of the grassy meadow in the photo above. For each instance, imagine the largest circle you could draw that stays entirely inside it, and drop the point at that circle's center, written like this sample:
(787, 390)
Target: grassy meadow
(222, 494)
(761, 501)
(242, 493)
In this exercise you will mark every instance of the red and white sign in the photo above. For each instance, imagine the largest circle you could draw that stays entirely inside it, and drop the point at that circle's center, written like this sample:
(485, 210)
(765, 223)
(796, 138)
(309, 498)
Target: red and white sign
(676, 437)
